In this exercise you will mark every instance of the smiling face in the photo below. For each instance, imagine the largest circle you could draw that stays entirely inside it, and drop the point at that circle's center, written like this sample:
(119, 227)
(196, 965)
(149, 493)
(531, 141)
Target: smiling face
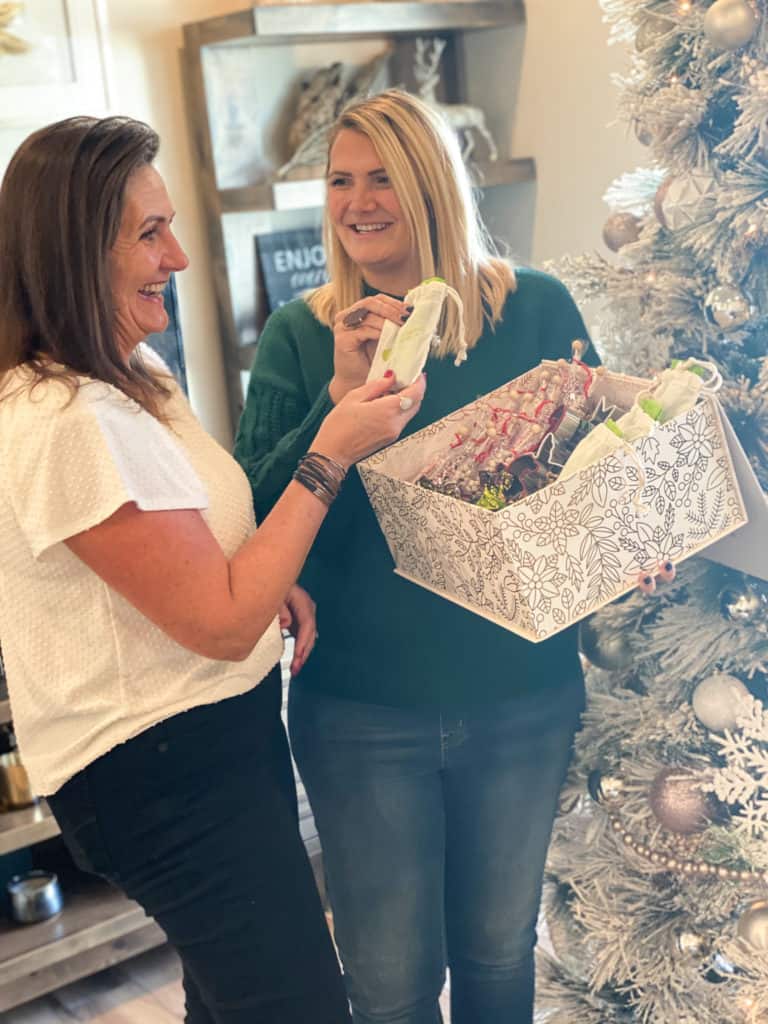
(367, 217)
(142, 259)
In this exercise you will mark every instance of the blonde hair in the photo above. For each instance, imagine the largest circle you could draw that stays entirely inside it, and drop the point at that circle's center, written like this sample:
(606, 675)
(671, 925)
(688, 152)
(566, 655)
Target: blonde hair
(422, 158)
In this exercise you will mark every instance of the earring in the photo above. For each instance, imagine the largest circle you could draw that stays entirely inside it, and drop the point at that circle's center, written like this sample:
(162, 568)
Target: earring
(667, 571)
(646, 583)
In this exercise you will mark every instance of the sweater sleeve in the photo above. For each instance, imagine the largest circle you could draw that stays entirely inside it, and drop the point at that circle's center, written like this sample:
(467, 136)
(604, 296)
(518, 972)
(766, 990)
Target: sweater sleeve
(279, 420)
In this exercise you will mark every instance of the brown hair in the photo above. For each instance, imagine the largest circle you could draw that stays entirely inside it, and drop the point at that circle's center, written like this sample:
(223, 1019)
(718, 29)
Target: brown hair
(61, 204)
(422, 158)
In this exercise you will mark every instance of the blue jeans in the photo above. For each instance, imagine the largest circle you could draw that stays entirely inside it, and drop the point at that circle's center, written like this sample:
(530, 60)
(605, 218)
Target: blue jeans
(434, 830)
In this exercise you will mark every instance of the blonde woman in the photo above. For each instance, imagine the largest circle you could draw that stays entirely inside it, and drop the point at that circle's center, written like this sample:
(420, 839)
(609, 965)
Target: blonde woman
(432, 743)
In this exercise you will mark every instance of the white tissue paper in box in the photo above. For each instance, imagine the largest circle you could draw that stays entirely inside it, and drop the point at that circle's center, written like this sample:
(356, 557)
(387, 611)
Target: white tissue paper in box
(543, 563)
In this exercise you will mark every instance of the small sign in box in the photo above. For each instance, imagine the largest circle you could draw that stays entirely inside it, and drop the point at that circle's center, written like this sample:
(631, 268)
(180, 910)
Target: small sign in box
(543, 563)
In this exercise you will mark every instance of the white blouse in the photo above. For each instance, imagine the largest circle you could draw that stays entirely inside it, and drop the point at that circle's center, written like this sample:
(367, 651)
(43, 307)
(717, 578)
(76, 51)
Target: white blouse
(85, 669)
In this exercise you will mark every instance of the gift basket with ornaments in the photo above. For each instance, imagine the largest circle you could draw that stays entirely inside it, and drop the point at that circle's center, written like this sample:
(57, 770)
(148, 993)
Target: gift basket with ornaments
(558, 492)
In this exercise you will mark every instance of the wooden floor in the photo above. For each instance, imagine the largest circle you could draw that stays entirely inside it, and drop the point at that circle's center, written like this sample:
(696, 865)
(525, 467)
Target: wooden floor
(144, 990)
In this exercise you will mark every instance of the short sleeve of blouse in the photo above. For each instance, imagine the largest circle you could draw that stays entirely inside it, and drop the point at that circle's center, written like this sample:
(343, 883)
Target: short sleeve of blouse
(72, 463)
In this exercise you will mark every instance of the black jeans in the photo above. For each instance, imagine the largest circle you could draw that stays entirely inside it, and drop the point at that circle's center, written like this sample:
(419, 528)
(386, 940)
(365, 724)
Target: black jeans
(196, 820)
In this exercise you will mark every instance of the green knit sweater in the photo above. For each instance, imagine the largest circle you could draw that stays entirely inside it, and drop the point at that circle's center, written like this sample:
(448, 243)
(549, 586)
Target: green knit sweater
(383, 639)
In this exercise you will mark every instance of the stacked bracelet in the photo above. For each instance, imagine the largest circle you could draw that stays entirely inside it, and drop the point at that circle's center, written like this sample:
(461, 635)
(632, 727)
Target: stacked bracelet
(321, 475)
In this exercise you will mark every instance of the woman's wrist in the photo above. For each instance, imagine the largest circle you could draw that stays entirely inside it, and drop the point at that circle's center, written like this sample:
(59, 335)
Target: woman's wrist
(321, 475)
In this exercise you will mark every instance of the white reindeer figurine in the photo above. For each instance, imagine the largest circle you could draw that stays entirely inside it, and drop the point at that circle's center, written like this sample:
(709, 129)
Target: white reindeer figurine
(461, 116)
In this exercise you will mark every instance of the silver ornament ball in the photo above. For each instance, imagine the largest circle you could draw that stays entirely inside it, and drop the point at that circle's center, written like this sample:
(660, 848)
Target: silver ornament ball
(715, 701)
(650, 30)
(742, 605)
(607, 650)
(685, 199)
(621, 229)
(727, 307)
(730, 24)
(753, 925)
(677, 802)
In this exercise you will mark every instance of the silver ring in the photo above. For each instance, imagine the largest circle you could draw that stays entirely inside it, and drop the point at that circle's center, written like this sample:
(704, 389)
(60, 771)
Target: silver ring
(406, 403)
(355, 317)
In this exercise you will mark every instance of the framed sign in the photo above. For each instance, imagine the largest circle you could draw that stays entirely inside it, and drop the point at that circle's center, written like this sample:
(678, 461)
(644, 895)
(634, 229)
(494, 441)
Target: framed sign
(52, 65)
(291, 262)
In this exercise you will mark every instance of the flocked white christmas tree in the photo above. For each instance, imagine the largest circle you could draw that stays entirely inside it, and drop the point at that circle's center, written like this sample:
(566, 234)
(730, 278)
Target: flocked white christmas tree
(657, 888)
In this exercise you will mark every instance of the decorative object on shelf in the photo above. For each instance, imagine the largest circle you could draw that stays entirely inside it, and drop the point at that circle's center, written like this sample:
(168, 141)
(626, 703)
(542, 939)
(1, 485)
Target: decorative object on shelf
(716, 700)
(463, 118)
(730, 24)
(728, 308)
(9, 41)
(15, 790)
(609, 651)
(678, 803)
(35, 896)
(742, 604)
(605, 787)
(685, 199)
(621, 229)
(322, 99)
(291, 262)
(319, 97)
(753, 925)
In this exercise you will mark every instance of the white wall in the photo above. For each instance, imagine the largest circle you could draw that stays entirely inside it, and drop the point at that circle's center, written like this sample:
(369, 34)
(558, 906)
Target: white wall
(144, 38)
(548, 93)
(552, 99)
(564, 116)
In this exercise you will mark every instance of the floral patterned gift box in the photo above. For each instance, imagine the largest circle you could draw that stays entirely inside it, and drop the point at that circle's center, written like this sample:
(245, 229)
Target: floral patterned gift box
(547, 561)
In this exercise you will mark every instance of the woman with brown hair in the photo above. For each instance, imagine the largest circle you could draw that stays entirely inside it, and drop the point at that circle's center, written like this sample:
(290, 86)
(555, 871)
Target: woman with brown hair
(138, 603)
(432, 743)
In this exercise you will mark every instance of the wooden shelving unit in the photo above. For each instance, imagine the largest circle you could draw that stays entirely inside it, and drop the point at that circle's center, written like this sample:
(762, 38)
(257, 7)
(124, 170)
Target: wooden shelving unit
(98, 927)
(26, 826)
(243, 69)
(305, 191)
